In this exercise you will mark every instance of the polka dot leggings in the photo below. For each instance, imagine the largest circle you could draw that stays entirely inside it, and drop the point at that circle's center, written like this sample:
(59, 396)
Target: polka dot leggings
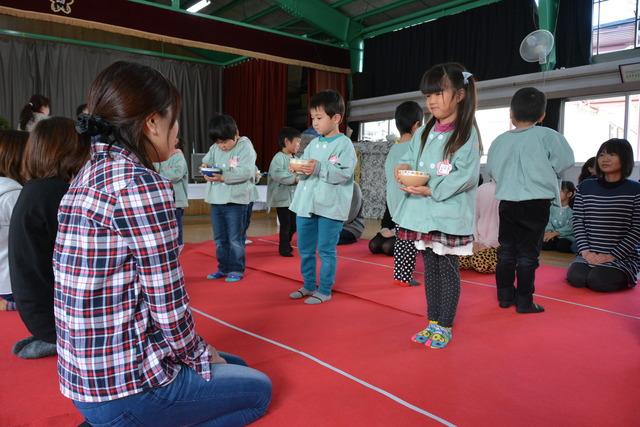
(442, 286)
(404, 260)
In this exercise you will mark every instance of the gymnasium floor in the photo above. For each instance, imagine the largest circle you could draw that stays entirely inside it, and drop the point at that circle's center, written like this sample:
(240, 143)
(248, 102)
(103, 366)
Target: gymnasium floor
(350, 362)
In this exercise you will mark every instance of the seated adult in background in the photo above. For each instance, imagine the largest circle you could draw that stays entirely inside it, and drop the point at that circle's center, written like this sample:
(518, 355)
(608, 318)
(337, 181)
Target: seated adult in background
(588, 170)
(558, 234)
(53, 155)
(12, 143)
(354, 225)
(606, 214)
(485, 243)
(128, 350)
(385, 239)
(38, 108)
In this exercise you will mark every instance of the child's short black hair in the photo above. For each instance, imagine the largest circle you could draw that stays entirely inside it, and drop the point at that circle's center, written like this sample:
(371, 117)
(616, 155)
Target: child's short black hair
(407, 114)
(80, 109)
(623, 149)
(287, 133)
(571, 188)
(330, 100)
(222, 127)
(528, 104)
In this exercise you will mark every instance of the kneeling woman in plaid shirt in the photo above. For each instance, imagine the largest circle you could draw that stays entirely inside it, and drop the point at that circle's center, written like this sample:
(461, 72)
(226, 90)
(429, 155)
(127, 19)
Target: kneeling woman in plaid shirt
(128, 350)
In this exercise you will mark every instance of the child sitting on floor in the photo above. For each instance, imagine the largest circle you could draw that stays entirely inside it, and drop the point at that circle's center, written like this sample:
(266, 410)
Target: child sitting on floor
(323, 196)
(558, 235)
(485, 243)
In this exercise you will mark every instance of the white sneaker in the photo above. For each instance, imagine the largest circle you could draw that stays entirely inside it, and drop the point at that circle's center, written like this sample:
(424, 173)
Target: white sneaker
(248, 242)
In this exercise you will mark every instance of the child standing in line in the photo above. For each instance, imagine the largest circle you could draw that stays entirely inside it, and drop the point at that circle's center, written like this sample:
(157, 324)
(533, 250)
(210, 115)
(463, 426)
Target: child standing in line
(323, 196)
(438, 217)
(175, 169)
(229, 193)
(526, 163)
(281, 186)
(408, 117)
(558, 235)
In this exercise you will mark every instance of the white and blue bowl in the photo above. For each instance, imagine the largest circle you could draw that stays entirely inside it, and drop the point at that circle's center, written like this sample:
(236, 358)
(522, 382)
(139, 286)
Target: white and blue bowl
(210, 171)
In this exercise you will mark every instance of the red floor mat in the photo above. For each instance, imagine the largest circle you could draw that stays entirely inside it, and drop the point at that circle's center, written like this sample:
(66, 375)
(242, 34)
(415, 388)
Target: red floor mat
(572, 365)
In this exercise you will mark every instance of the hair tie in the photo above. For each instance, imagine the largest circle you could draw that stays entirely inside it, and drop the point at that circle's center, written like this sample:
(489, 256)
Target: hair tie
(90, 125)
(465, 76)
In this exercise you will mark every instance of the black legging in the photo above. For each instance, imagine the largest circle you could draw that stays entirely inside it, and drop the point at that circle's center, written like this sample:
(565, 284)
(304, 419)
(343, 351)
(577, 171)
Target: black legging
(597, 278)
(404, 260)
(442, 286)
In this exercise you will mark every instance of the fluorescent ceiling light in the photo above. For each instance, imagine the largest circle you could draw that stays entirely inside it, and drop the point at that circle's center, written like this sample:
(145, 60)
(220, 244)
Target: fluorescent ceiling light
(199, 6)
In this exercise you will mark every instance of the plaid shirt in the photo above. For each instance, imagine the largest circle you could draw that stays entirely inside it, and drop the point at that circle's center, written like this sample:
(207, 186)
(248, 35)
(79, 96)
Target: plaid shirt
(434, 236)
(122, 312)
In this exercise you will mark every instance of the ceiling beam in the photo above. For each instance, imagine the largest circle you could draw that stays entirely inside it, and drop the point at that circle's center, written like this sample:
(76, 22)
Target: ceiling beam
(323, 16)
(382, 9)
(226, 7)
(429, 14)
(260, 14)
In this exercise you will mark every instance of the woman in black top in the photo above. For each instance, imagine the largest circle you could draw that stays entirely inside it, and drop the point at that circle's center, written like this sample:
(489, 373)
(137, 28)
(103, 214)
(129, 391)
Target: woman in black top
(54, 153)
(606, 223)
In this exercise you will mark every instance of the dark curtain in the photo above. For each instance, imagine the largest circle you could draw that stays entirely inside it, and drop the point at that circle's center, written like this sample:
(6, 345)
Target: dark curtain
(573, 33)
(552, 116)
(319, 80)
(64, 72)
(486, 40)
(255, 95)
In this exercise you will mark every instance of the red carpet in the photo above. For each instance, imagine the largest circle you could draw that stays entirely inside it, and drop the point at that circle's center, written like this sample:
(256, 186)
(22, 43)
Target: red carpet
(573, 365)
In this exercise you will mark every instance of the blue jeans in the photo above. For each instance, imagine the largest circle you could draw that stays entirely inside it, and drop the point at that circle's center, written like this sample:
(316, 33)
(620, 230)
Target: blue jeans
(179, 215)
(247, 221)
(322, 234)
(228, 230)
(235, 396)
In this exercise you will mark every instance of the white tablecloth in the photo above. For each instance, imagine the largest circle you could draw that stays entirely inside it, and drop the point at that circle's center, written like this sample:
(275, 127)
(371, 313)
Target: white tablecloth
(196, 191)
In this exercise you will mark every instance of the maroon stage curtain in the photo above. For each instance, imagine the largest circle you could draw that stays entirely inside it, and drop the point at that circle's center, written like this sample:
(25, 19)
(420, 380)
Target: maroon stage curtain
(255, 95)
(322, 80)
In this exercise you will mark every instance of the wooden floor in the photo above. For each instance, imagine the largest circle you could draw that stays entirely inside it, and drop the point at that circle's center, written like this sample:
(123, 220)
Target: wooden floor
(198, 229)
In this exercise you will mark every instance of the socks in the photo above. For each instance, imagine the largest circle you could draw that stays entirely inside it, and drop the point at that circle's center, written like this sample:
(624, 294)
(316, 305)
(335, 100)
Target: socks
(440, 337)
(21, 344)
(31, 348)
(317, 298)
(300, 293)
(424, 335)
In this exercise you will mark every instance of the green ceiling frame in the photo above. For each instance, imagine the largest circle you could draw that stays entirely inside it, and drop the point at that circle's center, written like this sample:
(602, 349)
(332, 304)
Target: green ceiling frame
(323, 16)
(428, 14)
(547, 20)
(332, 22)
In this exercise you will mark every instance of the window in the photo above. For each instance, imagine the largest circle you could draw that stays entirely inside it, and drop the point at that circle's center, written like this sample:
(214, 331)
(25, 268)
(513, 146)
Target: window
(492, 122)
(378, 131)
(614, 25)
(590, 122)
